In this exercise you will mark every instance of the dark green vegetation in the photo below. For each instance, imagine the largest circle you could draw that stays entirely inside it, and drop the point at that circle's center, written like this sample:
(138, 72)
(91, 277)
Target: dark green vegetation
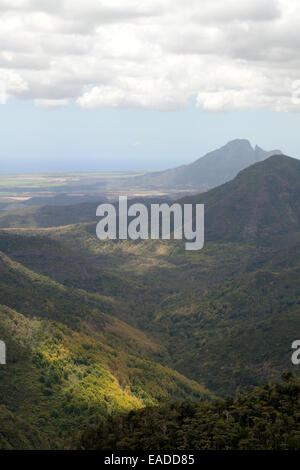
(49, 216)
(261, 205)
(69, 362)
(264, 418)
(61, 215)
(98, 328)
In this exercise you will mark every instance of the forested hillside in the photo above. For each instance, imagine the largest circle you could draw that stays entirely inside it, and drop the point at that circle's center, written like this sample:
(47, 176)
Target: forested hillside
(95, 329)
(264, 418)
(70, 363)
(260, 205)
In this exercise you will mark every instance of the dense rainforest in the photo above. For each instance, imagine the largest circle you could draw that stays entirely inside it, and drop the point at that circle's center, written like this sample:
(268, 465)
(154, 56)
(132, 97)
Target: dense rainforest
(262, 418)
(95, 330)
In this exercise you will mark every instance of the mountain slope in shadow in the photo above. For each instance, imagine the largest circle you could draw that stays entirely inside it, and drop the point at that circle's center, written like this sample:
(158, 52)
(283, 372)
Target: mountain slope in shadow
(262, 204)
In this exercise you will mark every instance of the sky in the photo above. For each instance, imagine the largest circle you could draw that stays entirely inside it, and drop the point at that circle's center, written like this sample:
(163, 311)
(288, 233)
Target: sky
(144, 84)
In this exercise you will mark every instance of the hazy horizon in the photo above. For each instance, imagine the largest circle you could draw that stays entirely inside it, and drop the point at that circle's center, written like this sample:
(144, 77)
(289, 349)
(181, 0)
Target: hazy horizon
(131, 85)
(123, 170)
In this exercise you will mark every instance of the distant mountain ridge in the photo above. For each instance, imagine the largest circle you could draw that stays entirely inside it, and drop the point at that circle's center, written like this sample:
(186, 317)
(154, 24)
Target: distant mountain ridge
(211, 170)
(260, 205)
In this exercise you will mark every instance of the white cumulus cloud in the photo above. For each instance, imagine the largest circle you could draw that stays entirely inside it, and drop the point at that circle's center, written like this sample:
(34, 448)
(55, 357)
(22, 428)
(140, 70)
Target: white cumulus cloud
(151, 54)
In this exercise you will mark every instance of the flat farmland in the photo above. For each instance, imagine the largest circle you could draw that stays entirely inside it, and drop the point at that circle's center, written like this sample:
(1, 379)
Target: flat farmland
(17, 182)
